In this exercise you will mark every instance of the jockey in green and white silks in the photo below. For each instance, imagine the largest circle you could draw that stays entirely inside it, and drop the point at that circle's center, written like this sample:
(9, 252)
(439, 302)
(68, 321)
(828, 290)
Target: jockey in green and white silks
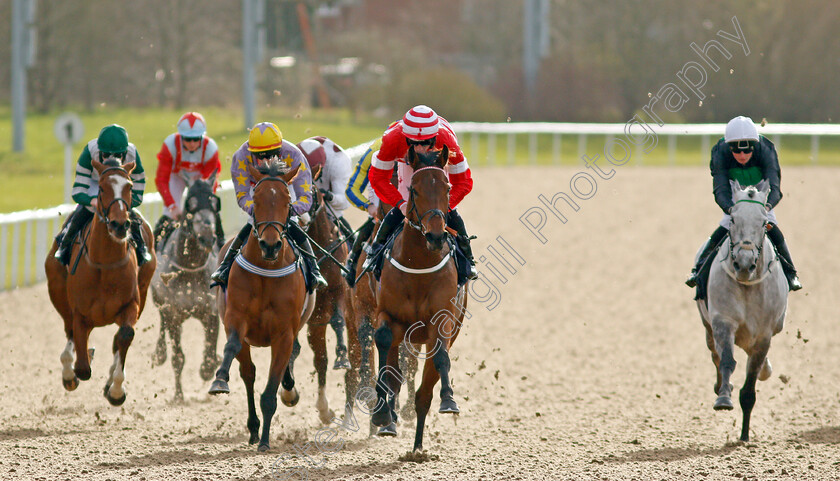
(111, 144)
(744, 156)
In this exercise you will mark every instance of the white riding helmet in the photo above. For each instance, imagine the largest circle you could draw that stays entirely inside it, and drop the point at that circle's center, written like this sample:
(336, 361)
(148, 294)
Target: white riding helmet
(740, 128)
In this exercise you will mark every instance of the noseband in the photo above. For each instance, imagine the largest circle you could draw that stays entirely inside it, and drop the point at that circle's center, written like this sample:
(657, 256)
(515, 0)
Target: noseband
(432, 213)
(745, 244)
(102, 211)
(280, 227)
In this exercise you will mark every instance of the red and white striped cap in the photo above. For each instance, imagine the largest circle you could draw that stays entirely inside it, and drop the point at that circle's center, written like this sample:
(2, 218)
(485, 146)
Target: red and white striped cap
(420, 123)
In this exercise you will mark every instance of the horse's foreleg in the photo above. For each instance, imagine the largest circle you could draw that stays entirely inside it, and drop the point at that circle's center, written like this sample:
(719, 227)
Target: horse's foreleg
(351, 376)
(114, 392)
(337, 323)
(211, 338)
(316, 333)
(81, 332)
(248, 373)
(408, 365)
(232, 348)
(289, 395)
(755, 362)
(383, 337)
(423, 396)
(159, 356)
(68, 377)
(724, 345)
(175, 329)
(281, 353)
(365, 339)
(710, 343)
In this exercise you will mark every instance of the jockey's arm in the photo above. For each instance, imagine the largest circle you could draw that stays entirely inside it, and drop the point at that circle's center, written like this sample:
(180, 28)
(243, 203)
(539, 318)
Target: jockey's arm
(164, 171)
(82, 181)
(380, 179)
(771, 171)
(460, 177)
(302, 184)
(211, 163)
(358, 181)
(338, 175)
(138, 176)
(241, 180)
(720, 179)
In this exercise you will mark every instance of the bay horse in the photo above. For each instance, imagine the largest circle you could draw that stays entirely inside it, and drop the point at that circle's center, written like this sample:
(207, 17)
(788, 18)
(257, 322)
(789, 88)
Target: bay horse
(179, 289)
(266, 302)
(107, 287)
(418, 288)
(746, 300)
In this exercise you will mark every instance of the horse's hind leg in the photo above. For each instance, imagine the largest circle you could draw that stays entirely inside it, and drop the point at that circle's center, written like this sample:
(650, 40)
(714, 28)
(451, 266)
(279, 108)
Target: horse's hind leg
(724, 344)
(114, 392)
(755, 362)
(175, 329)
(281, 352)
(211, 338)
(232, 348)
(337, 322)
(289, 395)
(408, 365)
(248, 373)
(316, 333)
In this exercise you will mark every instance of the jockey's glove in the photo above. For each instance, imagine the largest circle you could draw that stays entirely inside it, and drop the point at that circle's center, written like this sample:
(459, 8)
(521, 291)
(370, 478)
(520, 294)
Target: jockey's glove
(328, 196)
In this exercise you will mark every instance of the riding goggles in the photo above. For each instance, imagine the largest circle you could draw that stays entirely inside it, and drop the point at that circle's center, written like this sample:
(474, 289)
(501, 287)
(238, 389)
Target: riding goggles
(742, 146)
(267, 154)
(191, 139)
(427, 142)
(112, 155)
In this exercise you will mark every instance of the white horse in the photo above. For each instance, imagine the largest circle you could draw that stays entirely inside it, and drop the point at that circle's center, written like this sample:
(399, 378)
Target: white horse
(746, 300)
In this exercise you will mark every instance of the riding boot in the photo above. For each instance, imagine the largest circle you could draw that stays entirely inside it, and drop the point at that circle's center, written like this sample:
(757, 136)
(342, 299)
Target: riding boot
(455, 221)
(778, 240)
(220, 277)
(345, 229)
(297, 234)
(390, 222)
(364, 232)
(220, 232)
(136, 227)
(710, 245)
(164, 227)
(65, 238)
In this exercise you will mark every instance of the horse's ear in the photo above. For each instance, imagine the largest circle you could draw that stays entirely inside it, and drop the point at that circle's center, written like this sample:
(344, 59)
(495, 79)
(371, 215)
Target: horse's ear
(216, 203)
(97, 165)
(411, 158)
(443, 157)
(290, 176)
(316, 174)
(763, 186)
(736, 187)
(212, 179)
(129, 167)
(255, 174)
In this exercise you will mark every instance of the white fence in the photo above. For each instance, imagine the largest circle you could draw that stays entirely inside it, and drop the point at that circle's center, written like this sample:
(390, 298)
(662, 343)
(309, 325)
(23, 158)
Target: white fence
(26, 236)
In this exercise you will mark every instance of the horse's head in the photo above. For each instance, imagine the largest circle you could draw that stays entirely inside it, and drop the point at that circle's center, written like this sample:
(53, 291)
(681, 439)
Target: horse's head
(271, 205)
(748, 228)
(200, 209)
(428, 199)
(113, 203)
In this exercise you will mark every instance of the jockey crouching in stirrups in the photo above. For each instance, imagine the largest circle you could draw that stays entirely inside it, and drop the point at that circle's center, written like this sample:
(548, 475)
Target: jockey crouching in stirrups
(423, 130)
(265, 143)
(744, 156)
(335, 172)
(357, 187)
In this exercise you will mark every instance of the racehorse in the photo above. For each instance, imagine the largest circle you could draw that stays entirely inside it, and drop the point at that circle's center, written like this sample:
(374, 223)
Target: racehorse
(179, 285)
(417, 291)
(107, 287)
(265, 303)
(746, 300)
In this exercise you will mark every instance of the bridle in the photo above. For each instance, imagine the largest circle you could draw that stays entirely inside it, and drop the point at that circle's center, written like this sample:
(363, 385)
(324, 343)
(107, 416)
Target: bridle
(745, 244)
(280, 227)
(103, 211)
(431, 212)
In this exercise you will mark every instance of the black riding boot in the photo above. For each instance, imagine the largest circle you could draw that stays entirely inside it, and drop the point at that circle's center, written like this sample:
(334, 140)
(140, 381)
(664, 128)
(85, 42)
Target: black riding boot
(220, 277)
(390, 222)
(302, 242)
(455, 221)
(710, 245)
(778, 240)
(345, 229)
(143, 255)
(164, 227)
(364, 232)
(77, 220)
(220, 231)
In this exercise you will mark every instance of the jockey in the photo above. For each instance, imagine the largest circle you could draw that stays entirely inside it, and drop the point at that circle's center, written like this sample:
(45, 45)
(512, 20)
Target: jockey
(265, 143)
(356, 188)
(423, 130)
(185, 156)
(335, 172)
(112, 144)
(745, 156)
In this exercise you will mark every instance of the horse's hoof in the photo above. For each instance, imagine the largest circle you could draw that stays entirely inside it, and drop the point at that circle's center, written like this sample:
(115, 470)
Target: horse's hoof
(219, 387)
(381, 417)
(388, 431)
(114, 401)
(289, 398)
(263, 447)
(724, 403)
(254, 438)
(340, 364)
(766, 370)
(70, 384)
(448, 406)
(207, 370)
(326, 416)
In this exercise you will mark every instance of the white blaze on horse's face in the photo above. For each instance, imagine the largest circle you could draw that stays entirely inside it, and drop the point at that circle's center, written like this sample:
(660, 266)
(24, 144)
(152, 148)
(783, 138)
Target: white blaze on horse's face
(746, 233)
(118, 187)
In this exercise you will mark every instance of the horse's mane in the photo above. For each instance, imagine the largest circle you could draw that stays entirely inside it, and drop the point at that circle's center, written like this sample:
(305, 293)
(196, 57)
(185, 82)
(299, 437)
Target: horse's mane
(275, 168)
(751, 192)
(112, 162)
(427, 159)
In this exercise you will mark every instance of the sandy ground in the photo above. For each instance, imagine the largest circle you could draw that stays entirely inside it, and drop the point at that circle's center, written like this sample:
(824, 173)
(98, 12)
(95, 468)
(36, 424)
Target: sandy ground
(593, 365)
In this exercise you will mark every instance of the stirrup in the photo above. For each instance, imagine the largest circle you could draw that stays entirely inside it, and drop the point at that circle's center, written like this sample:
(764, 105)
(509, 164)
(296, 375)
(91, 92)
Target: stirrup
(473, 275)
(350, 274)
(220, 277)
(63, 255)
(691, 281)
(794, 283)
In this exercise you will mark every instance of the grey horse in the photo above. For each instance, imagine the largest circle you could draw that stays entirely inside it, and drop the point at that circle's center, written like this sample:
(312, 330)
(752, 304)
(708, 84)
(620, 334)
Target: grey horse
(180, 284)
(746, 301)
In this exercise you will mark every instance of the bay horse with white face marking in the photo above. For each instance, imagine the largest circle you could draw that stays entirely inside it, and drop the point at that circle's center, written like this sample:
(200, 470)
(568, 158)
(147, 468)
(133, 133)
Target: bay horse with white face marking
(417, 295)
(265, 300)
(107, 287)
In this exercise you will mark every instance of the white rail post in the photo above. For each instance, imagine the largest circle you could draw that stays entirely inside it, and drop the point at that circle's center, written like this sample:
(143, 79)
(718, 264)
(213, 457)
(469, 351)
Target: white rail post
(532, 147)
(491, 149)
(511, 149)
(815, 148)
(557, 146)
(581, 146)
(4, 249)
(41, 244)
